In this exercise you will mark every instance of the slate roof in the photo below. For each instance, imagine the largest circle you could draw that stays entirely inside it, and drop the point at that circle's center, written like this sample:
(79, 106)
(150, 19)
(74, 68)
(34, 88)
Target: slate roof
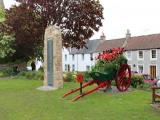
(144, 42)
(109, 44)
(133, 43)
(91, 47)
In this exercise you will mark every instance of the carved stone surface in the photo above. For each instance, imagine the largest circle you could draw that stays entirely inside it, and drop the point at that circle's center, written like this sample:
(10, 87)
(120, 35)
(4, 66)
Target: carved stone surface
(1, 4)
(53, 33)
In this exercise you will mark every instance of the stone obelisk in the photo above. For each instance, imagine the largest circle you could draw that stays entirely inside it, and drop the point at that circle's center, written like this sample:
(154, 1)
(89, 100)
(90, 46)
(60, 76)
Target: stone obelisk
(1, 4)
(52, 59)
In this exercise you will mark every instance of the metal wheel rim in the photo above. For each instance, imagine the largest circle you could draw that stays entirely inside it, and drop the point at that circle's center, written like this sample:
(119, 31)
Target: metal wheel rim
(123, 78)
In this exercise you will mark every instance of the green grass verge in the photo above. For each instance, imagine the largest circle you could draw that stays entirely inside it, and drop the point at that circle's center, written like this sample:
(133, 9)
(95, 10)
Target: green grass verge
(19, 100)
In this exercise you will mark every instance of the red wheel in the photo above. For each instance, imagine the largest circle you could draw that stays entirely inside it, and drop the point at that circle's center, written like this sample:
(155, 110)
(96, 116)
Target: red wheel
(123, 78)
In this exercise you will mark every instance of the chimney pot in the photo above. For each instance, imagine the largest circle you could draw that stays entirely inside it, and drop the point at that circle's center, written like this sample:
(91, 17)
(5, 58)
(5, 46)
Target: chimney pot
(103, 37)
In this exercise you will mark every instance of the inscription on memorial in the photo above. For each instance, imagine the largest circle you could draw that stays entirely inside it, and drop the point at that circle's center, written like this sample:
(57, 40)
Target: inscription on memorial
(50, 61)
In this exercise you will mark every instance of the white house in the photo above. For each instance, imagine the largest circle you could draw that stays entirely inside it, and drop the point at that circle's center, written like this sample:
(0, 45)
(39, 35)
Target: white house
(142, 52)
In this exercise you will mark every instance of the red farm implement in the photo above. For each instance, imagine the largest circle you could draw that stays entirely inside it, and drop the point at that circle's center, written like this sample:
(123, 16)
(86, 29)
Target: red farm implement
(110, 66)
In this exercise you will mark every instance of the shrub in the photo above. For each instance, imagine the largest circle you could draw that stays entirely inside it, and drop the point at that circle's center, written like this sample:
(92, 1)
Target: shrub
(87, 77)
(69, 77)
(147, 86)
(137, 81)
(41, 69)
(7, 73)
(109, 67)
(32, 75)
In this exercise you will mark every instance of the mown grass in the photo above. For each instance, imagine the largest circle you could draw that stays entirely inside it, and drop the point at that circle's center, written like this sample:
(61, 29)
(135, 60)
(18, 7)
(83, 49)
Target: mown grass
(20, 100)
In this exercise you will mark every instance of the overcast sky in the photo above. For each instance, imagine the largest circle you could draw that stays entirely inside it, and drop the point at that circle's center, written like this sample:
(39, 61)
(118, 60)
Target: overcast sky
(139, 16)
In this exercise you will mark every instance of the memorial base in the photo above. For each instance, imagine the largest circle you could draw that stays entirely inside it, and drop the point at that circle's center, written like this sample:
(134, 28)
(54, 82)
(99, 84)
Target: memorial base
(46, 88)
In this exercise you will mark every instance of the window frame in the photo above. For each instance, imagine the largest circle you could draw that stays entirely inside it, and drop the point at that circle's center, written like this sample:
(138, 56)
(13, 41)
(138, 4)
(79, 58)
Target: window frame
(73, 57)
(151, 54)
(73, 66)
(138, 68)
(82, 56)
(139, 54)
(65, 57)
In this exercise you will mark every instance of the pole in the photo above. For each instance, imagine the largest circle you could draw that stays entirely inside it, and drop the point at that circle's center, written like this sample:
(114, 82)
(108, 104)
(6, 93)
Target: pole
(81, 88)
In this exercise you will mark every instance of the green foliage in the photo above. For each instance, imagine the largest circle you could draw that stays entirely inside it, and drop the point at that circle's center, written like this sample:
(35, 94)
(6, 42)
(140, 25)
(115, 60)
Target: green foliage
(146, 86)
(87, 77)
(103, 66)
(9, 72)
(2, 15)
(41, 69)
(137, 80)
(69, 76)
(31, 75)
(77, 19)
(5, 73)
(109, 67)
(6, 45)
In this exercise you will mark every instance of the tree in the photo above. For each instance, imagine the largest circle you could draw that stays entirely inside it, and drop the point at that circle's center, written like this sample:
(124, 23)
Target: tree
(2, 15)
(28, 32)
(6, 45)
(77, 19)
(6, 40)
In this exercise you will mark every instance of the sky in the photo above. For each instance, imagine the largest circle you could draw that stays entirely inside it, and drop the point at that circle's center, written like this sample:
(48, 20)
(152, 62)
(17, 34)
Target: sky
(141, 17)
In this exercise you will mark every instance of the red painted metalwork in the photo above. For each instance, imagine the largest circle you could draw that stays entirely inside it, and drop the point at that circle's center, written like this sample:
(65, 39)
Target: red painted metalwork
(80, 78)
(85, 85)
(101, 85)
(123, 77)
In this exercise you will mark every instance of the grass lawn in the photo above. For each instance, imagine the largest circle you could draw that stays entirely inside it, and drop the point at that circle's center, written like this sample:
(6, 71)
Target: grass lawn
(19, 100)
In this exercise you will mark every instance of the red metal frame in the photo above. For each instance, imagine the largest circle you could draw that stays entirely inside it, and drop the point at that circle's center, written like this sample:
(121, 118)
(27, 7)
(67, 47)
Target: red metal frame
(123, 78)
(100, 85)
(80, 78)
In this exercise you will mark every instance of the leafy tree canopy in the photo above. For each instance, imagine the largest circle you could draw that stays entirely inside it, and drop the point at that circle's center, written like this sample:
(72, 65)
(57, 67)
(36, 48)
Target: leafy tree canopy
(77, 19)
(2, 15)
(6, 45)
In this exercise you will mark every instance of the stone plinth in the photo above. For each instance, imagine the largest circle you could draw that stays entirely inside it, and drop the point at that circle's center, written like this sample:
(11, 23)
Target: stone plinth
(53, 57)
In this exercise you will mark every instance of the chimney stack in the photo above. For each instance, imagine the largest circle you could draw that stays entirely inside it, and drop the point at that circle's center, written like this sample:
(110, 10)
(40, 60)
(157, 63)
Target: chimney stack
(103, 37)
(128, 34)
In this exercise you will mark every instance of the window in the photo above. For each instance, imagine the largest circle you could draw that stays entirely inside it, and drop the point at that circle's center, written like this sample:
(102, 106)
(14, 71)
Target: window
(87, 68)
(140, 68)
(91, 56)
(66, 67)
(153, 54)
(82, 56)
(73, 67)
(73, 57)
(65, 57)
(129, 55)
(140, 54)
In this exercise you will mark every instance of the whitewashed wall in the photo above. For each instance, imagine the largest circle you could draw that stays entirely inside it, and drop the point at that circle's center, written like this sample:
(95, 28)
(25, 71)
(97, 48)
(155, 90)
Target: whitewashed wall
(78, 62)
(146, 62)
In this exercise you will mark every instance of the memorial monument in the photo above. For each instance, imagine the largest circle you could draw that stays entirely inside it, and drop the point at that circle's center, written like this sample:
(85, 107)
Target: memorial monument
(1, 4)
(52, 59)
